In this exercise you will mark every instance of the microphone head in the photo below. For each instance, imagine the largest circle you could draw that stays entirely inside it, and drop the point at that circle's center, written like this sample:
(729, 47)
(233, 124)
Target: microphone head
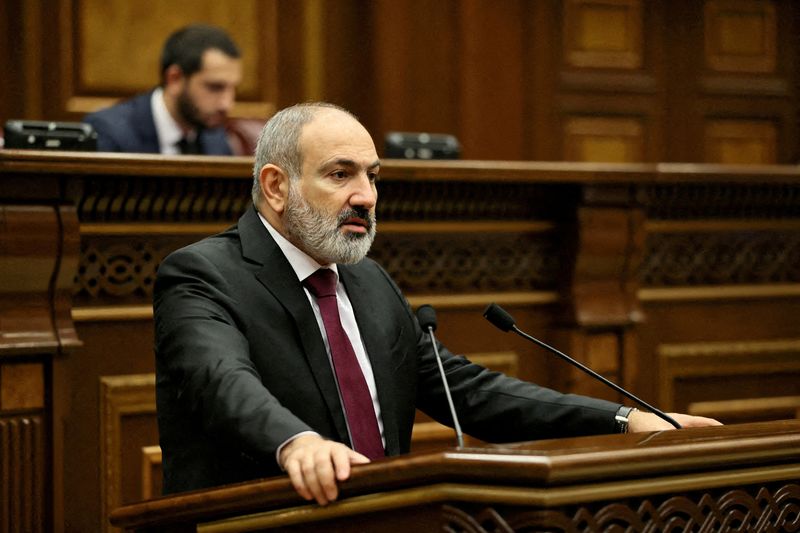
(499, 317)
(426, 317)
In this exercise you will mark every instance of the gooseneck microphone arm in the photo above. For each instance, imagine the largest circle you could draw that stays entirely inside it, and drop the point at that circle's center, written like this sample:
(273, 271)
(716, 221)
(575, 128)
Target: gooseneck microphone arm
(505, 322)
(427, 319)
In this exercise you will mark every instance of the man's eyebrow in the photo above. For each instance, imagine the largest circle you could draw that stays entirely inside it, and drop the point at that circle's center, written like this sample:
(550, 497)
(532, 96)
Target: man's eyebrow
(349, 163)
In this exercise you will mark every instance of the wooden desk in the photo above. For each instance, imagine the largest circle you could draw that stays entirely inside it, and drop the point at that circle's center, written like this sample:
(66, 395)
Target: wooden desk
(734, 478)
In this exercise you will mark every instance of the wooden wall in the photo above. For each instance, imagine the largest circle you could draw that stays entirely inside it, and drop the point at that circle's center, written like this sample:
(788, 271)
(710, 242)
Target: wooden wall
(680, 282)
(573, 80)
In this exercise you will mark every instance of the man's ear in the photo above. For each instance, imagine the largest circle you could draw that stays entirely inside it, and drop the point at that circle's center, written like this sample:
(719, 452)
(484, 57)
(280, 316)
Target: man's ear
(274, 183)
(173, 79)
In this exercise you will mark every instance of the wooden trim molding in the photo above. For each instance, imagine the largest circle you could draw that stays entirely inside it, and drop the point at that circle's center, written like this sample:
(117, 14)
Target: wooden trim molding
(700, 359)
(778, 407)
(120, 396)
(722, 292)
(151, 460)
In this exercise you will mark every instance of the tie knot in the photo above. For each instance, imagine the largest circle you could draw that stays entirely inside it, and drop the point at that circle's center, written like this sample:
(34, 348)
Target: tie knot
(187, 146)
(321, 283)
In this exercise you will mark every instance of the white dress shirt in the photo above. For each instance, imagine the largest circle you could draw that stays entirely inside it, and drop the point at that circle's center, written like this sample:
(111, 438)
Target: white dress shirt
(168, 131)
(303, 267)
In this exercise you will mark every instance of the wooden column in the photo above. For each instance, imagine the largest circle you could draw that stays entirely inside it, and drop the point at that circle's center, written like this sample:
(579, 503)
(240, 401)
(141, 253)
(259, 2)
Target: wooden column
(38, 259)
(604, 254)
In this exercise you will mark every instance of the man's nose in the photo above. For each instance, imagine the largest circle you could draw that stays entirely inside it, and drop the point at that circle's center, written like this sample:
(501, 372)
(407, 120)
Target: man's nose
(365, 194)
(227, 100)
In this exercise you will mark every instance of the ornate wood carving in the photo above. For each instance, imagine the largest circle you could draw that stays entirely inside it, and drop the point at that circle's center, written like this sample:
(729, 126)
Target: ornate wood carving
(728, 258)
(709, 201)
(751, 509)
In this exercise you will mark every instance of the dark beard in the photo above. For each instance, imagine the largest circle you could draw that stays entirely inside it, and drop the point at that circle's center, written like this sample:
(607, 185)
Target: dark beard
(318, 234)
(189, 112)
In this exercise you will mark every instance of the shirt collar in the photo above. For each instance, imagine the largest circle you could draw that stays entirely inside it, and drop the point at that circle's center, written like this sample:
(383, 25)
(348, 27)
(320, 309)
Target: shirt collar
(302, 264)
(168, 130)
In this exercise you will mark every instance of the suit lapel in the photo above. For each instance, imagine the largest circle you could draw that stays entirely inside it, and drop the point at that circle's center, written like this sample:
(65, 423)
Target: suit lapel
(279, 278)
(145, 124)
(378, 351)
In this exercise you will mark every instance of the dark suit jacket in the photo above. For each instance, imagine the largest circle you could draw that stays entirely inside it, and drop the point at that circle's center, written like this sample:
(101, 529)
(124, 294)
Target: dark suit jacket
(129, 127)
(241, 366)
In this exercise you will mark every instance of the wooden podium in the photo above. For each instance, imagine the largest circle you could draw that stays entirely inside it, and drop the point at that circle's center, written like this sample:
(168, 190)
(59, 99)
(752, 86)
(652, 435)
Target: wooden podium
(731, 478)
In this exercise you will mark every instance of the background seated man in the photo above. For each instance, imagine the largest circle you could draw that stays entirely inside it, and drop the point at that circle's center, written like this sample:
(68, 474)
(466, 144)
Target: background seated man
(200, 71)
(281, 347)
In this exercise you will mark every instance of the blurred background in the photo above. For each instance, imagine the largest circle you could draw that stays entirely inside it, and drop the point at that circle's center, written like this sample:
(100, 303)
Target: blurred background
(562, 80)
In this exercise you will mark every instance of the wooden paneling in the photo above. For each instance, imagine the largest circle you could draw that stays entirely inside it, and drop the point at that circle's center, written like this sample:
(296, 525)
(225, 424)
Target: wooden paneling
(611, 140)
(123, 399)
(608, 262)
(95, 35)
(740, 36)
(739, 142)
(21, 386)
(603, 33)
(715, 377)
(506, 78)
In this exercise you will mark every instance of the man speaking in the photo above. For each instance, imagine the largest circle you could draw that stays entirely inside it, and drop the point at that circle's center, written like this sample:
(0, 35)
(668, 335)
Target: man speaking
(280, 347)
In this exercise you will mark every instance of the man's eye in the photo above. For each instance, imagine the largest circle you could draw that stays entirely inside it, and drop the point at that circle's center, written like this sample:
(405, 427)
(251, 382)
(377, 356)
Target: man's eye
(339, 174)
(373, 176)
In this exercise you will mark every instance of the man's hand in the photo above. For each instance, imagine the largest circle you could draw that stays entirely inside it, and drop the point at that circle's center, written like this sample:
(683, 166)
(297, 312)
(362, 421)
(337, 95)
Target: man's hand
(639, 421)
(315, 465)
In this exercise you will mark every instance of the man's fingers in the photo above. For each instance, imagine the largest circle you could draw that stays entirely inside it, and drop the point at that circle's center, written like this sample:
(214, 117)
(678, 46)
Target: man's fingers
(690, 421)
(342, 458)
(297, 479)
(312, 481)
(325, 475)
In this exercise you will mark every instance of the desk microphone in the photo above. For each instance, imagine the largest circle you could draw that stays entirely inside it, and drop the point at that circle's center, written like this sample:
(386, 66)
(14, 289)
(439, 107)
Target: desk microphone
(505, 322)
(427, 319)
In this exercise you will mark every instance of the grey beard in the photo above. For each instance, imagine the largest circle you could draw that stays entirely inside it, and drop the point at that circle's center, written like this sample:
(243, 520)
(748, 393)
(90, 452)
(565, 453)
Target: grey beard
(318, 234)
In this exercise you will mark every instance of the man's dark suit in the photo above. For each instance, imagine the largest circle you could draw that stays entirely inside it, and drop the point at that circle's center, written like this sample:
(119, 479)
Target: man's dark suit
(129, 127)
(241, 366)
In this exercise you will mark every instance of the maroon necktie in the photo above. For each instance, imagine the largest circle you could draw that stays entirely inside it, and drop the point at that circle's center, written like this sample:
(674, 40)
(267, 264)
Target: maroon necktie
(352, 385)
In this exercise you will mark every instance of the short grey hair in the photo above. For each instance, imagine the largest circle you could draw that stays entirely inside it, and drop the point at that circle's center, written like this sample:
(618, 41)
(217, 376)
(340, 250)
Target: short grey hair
(279, 141)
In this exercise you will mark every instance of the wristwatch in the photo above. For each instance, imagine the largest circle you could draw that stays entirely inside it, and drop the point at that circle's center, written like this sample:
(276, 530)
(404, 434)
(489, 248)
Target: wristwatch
(621, 418)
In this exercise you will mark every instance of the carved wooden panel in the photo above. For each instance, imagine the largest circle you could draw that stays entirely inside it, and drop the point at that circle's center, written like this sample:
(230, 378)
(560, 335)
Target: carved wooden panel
(755, 508)
(740, 36)
(603, 33)
(693, 374)
(604, 139)
(733, 142)
(111, 49)
(739, 256)
(23, 492)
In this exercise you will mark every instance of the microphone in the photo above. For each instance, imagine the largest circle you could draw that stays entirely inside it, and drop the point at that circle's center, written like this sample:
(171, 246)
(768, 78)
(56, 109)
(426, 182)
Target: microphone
(505, 322)
(427, 319)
